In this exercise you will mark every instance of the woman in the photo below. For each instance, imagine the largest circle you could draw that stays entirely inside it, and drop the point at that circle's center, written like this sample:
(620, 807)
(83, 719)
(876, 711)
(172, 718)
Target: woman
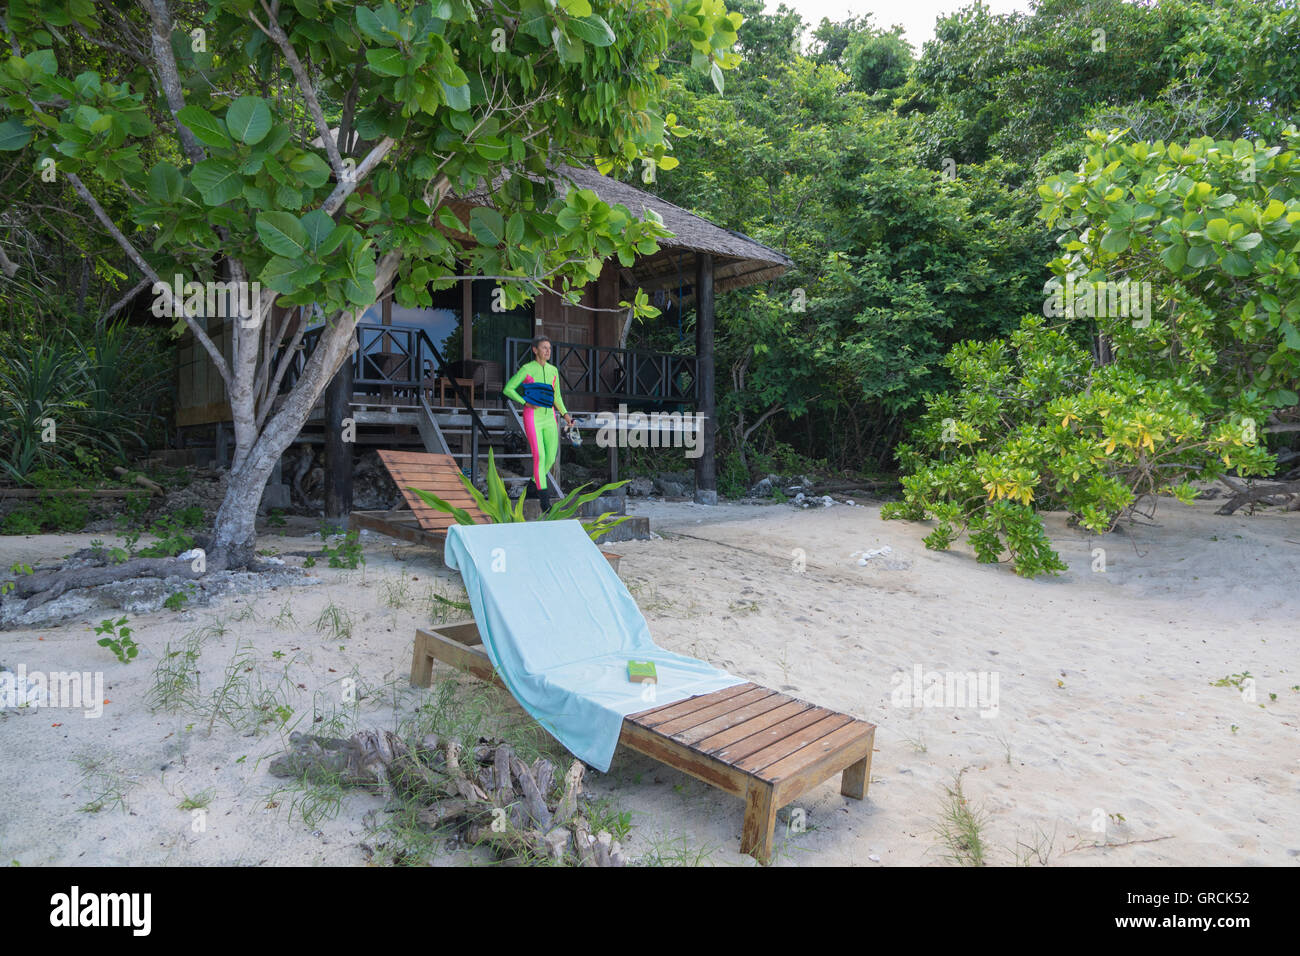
(540, 383)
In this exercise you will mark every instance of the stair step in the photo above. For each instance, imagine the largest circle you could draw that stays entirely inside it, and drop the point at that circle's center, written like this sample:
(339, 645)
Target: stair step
(465, 454)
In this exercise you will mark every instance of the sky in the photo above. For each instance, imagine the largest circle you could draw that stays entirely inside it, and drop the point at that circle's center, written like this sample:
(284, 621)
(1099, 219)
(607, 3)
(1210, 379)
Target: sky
(916, 16)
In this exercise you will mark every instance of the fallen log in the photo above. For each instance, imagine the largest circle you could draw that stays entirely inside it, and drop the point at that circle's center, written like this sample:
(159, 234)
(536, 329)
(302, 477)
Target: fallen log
(140, 480)
(47, 585)
(1247, 495)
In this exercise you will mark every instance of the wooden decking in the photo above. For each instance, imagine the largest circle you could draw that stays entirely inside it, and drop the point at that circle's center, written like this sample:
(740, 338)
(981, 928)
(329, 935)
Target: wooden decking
(757, 744)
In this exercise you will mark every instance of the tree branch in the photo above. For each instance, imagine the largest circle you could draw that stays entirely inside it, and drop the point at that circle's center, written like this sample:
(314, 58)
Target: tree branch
(348, 186)
(140, 263)
(169, 76)
(281, 40)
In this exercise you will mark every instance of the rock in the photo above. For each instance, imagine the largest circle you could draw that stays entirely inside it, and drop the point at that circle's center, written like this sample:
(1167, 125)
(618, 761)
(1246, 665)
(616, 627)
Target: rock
(640, 487)
(762, 490)
(798, 498)
(668, 487)
(372, 486)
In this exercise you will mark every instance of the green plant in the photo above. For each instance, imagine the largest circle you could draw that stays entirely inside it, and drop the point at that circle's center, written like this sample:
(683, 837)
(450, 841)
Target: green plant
(500, 509)
(117, 638)
(275, 518)
(1232, 680)
(396, 592)
(335, 621)
(309, 562)
(346, 553)
(134, 507)
(107, 785)
(960, 828)
(1185, 269)
(18, 567)
(200, 801)
(244, 700)
(176, 600)
(22, 521)
(175, 684)
(603, 814)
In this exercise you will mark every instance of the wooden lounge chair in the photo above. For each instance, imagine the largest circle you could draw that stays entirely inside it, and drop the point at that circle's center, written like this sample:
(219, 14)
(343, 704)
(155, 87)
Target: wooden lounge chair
(438, 474)
(757, 744)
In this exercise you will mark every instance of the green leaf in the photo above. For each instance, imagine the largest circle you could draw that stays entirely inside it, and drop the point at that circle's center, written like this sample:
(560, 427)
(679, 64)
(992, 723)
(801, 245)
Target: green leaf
(1174, 257)
(165, 183)
(492, 151)
(311, 169)
(1116, 240)
(318, 226)
(450, 220)
(1291, 336)
(593, 29)
(372, 26)
(249, 119)
(387, 62)
(282, 233)
(1217, 230)
(457, 97)
(1235, 264)
(487, 225)
(14, 134)
(715, 73)
(42, 61)
(278, 275)
(87, 84)
(334, 239)
(515, 229)
(217, 181)
(207, 129)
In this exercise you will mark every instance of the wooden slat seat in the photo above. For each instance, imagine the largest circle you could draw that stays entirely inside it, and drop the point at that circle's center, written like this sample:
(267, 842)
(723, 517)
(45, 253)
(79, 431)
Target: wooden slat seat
(755, 743)
(439, 475)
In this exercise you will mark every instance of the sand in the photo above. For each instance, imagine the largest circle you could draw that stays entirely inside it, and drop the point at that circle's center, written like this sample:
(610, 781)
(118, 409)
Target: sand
(1108, 742)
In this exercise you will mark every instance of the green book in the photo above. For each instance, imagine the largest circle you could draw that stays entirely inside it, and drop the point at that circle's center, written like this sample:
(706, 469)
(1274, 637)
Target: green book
(642, 672)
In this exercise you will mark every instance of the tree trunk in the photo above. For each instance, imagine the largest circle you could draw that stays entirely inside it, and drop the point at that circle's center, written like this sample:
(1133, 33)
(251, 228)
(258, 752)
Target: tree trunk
(234, 534)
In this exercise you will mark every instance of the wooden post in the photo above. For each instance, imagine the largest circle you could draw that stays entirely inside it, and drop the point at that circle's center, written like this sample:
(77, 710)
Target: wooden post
(338, 453)
(706, 476)
(467, 320)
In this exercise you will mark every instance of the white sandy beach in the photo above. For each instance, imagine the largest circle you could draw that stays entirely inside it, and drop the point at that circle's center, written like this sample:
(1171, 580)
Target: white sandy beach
(1106, 712)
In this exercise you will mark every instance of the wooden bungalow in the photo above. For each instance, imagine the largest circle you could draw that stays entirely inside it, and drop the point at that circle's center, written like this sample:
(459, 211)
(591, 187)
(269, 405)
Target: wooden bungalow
(431, 378)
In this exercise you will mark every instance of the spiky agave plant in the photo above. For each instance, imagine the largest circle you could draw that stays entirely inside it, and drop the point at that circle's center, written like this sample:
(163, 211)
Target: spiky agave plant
(500, 509)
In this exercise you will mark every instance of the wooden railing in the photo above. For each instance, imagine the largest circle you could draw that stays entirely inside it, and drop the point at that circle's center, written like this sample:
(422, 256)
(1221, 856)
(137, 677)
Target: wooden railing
(395, 365)
(613, 374)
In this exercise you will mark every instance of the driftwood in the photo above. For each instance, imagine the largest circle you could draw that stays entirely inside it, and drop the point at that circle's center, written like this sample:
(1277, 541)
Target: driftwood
(1261, 492)
(866, 487)
(46, 586)
(140, 480)
(486, 792)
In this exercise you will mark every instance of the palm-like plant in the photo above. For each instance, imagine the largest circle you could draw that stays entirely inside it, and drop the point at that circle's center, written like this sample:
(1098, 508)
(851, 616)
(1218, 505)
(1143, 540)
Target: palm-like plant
(496, 504)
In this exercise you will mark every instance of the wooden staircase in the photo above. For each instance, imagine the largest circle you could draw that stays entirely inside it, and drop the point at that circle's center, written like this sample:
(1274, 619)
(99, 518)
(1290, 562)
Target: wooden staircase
(449, 431)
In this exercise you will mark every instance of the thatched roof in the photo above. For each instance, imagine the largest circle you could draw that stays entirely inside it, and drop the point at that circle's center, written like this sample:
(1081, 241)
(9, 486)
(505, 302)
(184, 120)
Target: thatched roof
(738, 260)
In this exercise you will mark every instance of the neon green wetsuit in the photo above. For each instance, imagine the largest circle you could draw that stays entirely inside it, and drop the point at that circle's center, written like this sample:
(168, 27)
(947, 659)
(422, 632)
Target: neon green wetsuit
(539, 423)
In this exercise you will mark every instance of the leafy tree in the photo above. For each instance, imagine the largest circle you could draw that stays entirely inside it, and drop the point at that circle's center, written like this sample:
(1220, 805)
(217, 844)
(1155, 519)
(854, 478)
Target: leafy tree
(312, 146)
(1186, 389)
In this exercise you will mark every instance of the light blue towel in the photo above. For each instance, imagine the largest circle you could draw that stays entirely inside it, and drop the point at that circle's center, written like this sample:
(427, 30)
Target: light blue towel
(560, 627)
